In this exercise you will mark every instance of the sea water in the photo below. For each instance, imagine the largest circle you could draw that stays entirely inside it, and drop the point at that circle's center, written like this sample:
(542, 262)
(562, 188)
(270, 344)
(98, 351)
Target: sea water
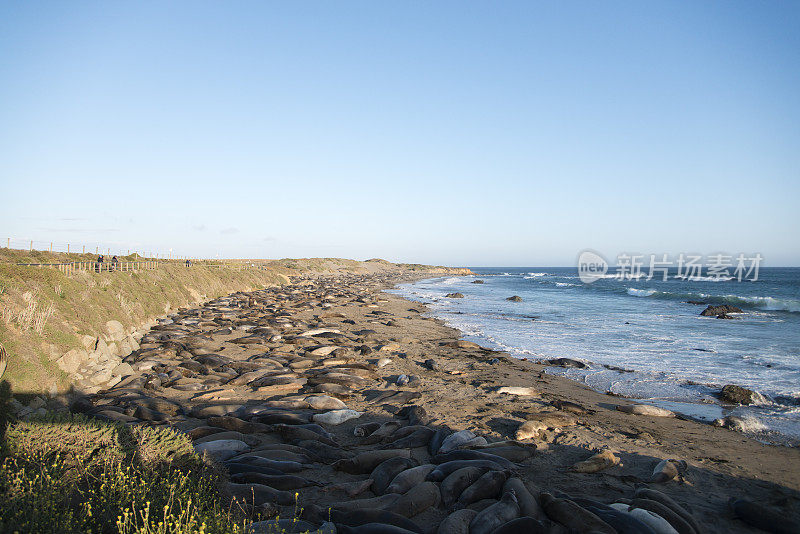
(668, 354)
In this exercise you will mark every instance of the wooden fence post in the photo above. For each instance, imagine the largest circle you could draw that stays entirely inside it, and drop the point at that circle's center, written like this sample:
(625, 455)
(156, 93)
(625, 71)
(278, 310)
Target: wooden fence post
(31, 245)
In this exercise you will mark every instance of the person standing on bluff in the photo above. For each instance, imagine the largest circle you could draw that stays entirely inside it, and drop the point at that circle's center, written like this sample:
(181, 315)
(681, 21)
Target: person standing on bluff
(99, 265)
(114, 262)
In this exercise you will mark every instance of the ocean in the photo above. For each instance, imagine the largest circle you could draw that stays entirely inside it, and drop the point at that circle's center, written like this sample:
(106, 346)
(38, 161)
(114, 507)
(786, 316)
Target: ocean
(668, 354)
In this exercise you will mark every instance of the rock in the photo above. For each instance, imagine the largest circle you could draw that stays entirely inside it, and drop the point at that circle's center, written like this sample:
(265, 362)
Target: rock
(115, 330)
(515, 298)
(431, 364)
(565, 362)
(455, 295)
(70, 361)
(477, 282)
(89, 343)
(37, 403)
(101, 377)
(122, 369)
(734, 394)
(720, 312)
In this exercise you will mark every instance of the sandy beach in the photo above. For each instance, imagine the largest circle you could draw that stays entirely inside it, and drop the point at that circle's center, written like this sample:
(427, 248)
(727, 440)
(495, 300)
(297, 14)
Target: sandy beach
(249, 375)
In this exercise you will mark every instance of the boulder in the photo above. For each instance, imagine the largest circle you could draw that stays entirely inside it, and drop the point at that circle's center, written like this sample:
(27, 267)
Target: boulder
(515, 298)
(115, 330)
(477, 282)
(455, 295)
(720, 312)
(89, 343)
(73, 359)
(123, 369)
(734, 394)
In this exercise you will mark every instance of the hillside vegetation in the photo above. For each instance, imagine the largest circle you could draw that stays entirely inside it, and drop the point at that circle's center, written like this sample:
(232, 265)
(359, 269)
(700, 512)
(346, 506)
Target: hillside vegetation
(46, 313)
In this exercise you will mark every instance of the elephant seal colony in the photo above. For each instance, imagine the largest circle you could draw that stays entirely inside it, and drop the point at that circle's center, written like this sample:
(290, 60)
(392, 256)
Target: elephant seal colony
(341, 408)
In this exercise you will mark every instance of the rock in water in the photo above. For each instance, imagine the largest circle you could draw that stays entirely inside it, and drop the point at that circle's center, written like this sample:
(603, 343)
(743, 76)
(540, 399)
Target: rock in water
(720, 312)
(515, 298)
(454, 296)
(734, 394)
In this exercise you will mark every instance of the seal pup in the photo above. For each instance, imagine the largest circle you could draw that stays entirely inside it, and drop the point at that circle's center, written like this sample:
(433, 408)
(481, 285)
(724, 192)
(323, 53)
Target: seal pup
(596, 463)
(666, 470)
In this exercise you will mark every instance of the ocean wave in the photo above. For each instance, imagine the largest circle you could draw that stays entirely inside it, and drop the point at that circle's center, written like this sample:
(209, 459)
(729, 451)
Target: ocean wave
(565, 284)
(704, 278)
(535, 275)
(641, 292)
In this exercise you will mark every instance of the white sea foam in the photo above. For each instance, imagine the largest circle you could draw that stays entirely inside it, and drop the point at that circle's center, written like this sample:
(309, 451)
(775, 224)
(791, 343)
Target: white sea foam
(534, 275)
(704, 278)
(641, 292)
(565, 284)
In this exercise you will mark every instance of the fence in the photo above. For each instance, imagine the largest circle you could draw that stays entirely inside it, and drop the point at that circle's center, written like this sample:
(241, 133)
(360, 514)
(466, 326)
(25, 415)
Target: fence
(94, 266)
(106, 249)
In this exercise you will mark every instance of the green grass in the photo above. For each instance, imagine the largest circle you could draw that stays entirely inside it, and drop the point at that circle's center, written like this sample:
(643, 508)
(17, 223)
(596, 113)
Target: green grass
(73, 474)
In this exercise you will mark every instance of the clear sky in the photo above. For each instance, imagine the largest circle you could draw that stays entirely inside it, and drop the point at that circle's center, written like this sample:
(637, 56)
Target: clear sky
(462, 133)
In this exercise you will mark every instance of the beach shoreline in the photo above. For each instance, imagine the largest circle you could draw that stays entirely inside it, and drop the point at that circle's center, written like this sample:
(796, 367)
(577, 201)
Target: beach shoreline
(454, 385)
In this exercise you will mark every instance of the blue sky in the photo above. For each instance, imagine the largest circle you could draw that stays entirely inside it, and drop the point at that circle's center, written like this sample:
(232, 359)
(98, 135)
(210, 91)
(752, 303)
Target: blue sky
(458, 133)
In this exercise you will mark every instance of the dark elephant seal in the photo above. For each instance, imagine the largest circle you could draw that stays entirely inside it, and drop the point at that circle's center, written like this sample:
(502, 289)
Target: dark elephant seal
(259, 494)
(443, 470)
(364, 516)
(372, 528)
(367, 461)
(417, 500)
(467, 454)
(236, 467)
(762, 517)
(495, 515)
(385, 472)
(457, 481)
(409, 478)
(573, 516)
(436, 440)
(487, 486)
(522, 525)
(325, 453)
(528, 506)
(280, 482)
(418, 438)
(457, 522)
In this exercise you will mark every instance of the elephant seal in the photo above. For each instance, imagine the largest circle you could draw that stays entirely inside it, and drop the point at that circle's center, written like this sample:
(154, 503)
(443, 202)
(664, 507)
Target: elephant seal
(364, 516)
(417, 500)
(385, 472)
(621, 521)
(259, 494)
(666, 470)
(366, 429)
(658, 524)
(645, 409)
(672, 517)
(760, 516)
(528, 506)
(280, 465)
(367, 461)
(457, 481)
(409, 478)
(473, 455)
(372, 528)
(457, 522)
(596, 463)
(279, 482)
(523, 525)
(495, 515)
(443, 470)
(655, 495)
(512, 453)
(325, 453)
(573, 516)
(418, 438)
(487, 486)
(235, 468)
(336, 417)
(436, 440)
